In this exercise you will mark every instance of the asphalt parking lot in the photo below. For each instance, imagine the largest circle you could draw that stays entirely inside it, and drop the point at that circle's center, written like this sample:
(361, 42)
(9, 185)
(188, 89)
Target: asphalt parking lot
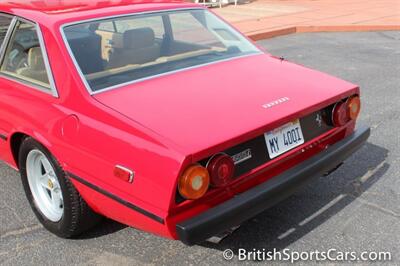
(357, 208)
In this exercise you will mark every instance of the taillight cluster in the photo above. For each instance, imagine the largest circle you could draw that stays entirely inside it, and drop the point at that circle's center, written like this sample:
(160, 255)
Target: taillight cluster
(196, 179)
(347, 110)
(219, 170)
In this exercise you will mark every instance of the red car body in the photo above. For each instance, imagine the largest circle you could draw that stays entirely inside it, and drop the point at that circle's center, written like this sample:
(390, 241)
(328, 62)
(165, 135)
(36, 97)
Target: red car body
(164, 125)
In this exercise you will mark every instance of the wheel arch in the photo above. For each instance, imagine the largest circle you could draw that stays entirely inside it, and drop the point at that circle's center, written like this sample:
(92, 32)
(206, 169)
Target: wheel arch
(18, 137)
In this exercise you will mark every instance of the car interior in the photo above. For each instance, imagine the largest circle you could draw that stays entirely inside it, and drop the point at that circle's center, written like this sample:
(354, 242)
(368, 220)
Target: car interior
(24, 58)
(34, 68)
(106, 52)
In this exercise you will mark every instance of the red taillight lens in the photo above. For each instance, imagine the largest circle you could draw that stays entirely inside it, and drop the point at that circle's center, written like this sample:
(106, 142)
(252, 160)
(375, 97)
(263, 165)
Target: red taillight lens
(353, 107)
(339, 114)
(345, 111)
(221, 168)
(194, 182)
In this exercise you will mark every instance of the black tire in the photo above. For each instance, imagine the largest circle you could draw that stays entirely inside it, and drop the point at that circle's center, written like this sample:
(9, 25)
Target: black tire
(77, 216)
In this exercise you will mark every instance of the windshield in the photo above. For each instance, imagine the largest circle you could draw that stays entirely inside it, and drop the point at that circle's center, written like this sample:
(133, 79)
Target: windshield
(121, 50)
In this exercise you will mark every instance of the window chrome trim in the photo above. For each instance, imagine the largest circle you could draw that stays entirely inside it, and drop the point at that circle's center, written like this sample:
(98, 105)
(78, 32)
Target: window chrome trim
(6, 40)
(52, 90)
(82, 76)
(172, 72)
(26, 83)
(49, 71)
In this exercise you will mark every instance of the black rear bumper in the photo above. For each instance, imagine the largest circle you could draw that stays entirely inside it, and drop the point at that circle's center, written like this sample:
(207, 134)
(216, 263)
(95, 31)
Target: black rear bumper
(254, 201)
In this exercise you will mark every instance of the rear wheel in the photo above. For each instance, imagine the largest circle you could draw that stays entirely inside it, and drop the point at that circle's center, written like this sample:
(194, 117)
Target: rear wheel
(53, 198)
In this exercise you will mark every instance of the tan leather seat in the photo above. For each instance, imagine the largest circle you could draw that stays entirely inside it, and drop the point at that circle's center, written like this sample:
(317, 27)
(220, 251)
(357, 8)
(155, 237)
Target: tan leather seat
(139, 47)
(36, 69)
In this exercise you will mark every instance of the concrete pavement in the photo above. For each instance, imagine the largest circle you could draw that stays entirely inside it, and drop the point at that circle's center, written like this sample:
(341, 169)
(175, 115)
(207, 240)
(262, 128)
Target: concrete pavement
(262, 19)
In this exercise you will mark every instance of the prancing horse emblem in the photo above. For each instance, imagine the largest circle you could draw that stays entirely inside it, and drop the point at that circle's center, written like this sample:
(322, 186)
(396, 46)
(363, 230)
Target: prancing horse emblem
(318, 119)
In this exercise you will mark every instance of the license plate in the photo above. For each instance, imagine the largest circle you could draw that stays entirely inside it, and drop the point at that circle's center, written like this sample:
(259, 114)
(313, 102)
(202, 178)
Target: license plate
(284, 138)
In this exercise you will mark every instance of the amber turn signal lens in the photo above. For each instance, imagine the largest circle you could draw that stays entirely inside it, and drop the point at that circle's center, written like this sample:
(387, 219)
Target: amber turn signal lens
(194, 182)
(353, 107)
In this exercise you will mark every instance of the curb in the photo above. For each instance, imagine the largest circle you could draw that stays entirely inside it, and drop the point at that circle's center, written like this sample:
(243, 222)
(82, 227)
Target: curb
(265, 34)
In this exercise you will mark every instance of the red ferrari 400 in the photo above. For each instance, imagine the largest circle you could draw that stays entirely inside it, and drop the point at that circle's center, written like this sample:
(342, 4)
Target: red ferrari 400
(161, 116)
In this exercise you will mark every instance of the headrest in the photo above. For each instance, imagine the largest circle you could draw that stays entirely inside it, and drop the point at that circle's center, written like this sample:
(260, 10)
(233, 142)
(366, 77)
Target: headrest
(35, 59)
(139, 38)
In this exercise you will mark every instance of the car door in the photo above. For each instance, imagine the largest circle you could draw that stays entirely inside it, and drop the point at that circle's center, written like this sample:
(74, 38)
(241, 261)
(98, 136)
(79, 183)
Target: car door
(26, 84)
(5, 22)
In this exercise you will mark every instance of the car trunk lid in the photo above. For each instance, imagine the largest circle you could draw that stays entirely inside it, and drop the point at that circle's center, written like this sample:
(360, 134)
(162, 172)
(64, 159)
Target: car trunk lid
(213, 107)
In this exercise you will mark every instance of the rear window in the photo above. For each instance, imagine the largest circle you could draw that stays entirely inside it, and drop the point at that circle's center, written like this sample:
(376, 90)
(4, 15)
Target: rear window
(117, 51)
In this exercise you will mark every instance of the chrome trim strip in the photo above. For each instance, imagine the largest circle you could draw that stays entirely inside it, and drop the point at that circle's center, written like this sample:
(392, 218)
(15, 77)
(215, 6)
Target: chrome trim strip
(117, 199)
(49, 71)
(82, 76)
(169, 73)
(26, 83)
(6, 41)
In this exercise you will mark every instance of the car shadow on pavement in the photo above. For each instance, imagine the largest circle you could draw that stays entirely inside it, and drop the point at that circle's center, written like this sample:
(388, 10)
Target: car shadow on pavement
(311, 206)
(105, 227)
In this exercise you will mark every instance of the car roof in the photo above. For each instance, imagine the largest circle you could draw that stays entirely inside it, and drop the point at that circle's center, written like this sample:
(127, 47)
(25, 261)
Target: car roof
(51, 11)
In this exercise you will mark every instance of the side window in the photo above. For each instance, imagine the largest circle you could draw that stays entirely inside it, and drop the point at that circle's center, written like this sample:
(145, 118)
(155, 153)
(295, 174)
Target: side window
(4, 25)
(23, 58)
